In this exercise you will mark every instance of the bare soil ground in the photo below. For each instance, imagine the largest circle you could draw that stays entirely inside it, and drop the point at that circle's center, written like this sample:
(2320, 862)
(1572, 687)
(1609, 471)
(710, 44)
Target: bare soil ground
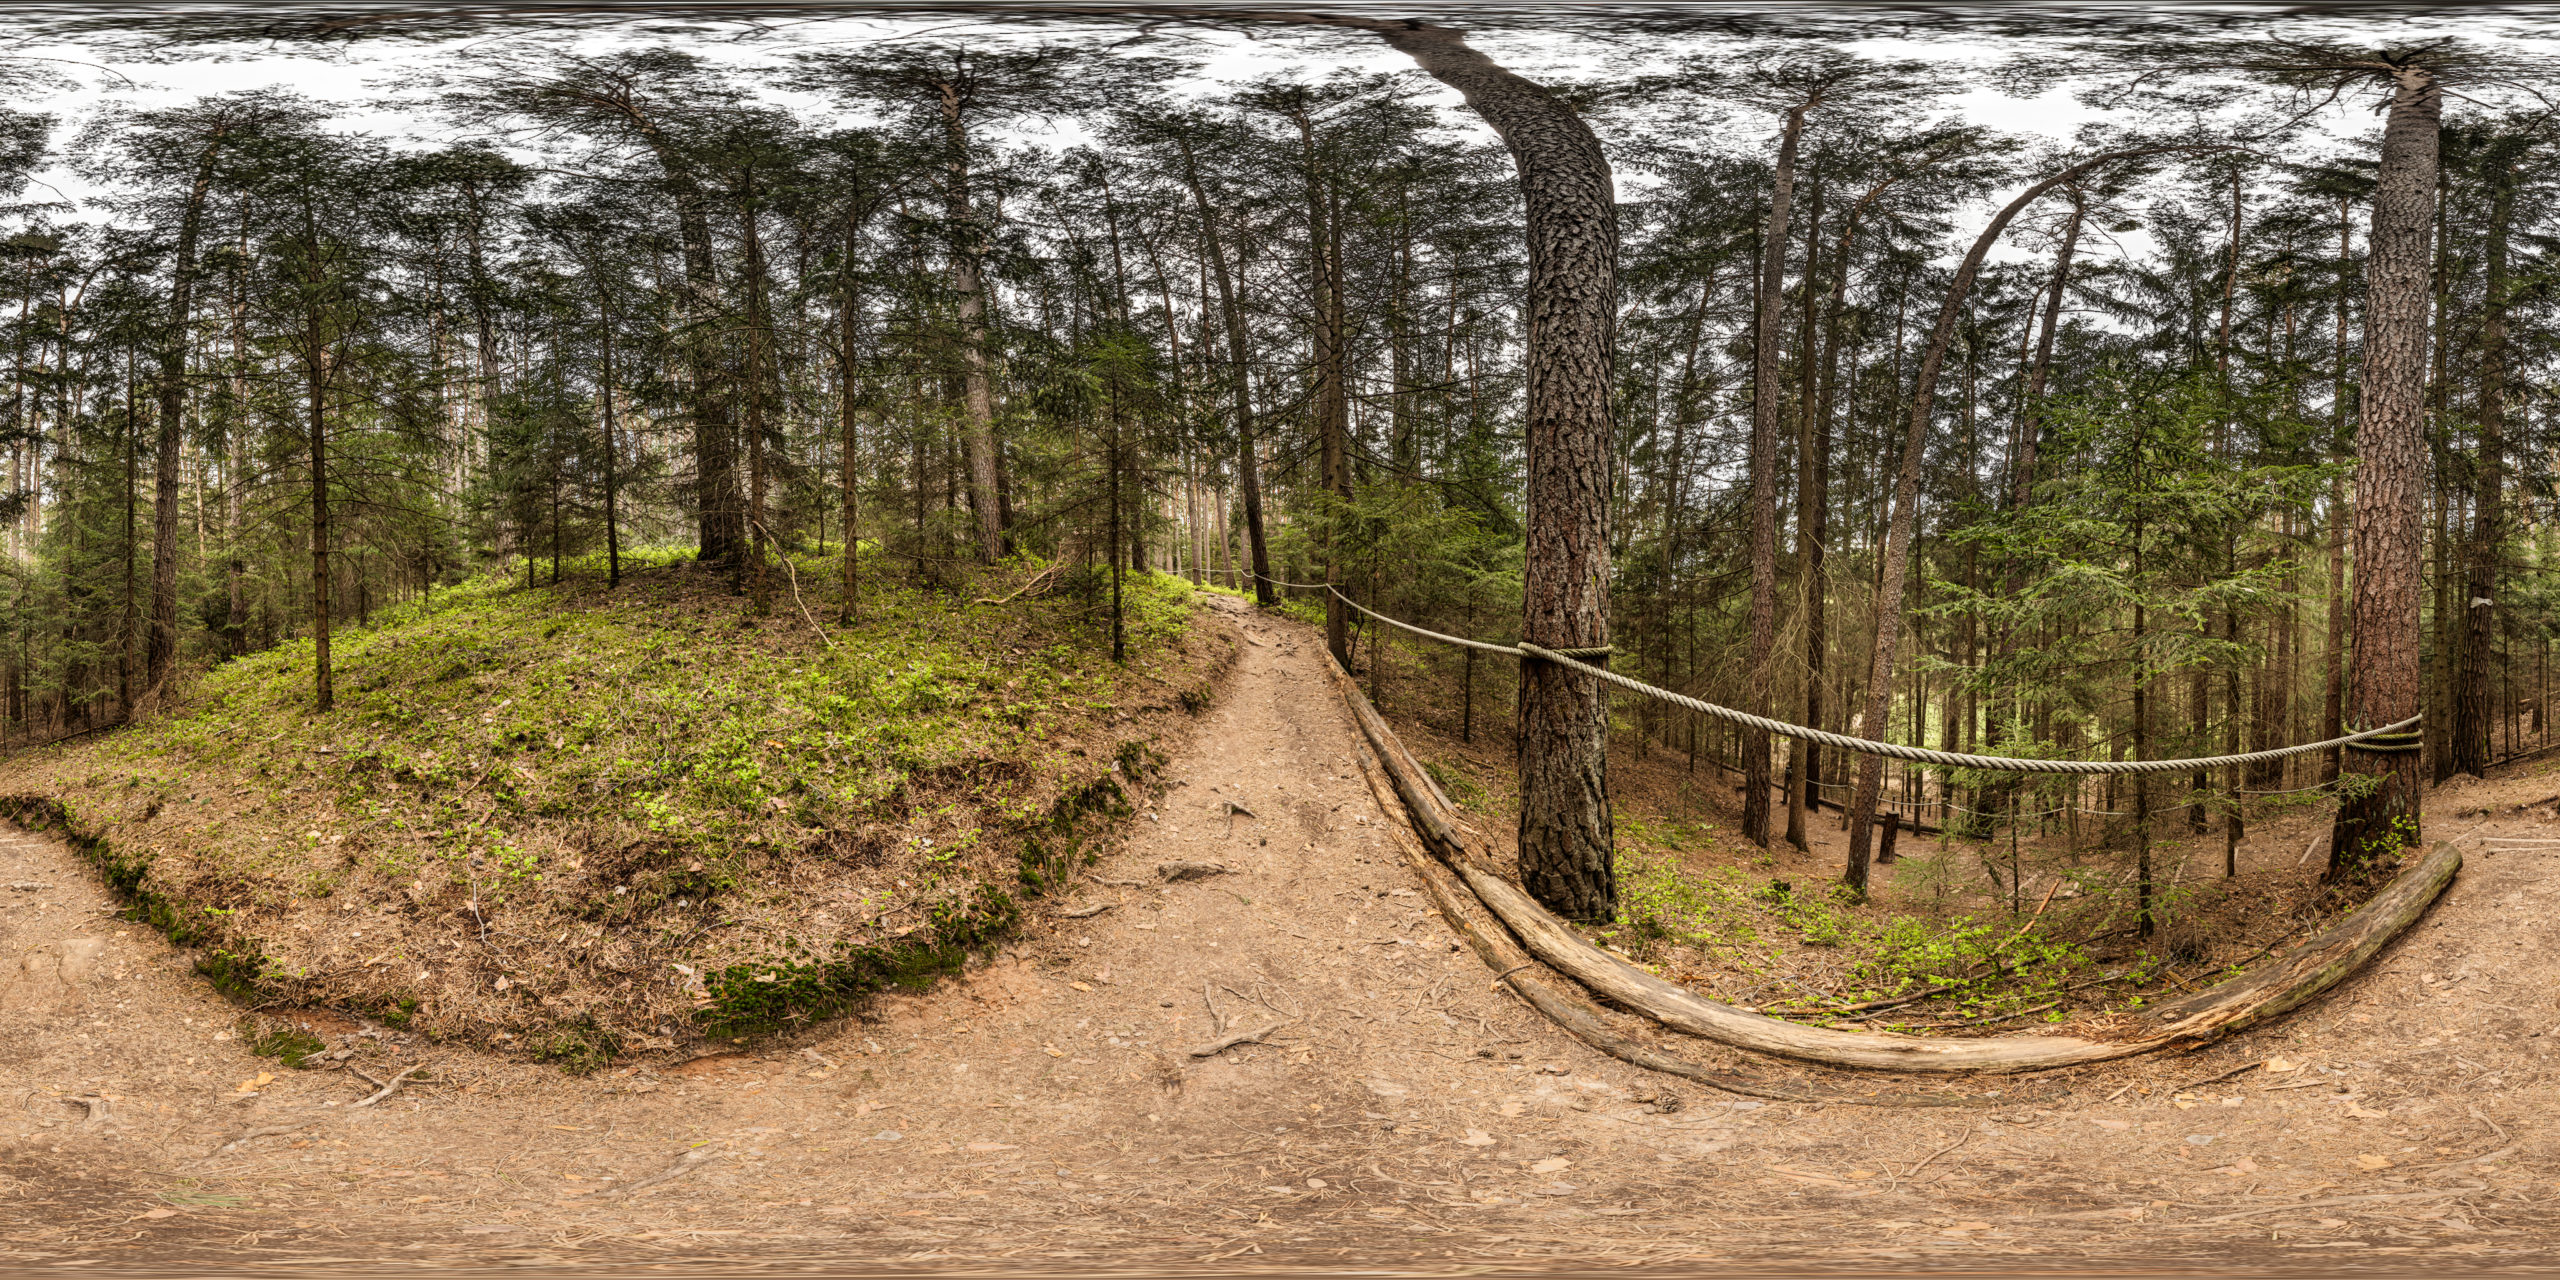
(1048, 1109)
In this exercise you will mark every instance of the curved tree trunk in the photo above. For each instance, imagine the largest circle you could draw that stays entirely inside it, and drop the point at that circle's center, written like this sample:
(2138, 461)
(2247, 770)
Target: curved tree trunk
(1565, 824)
(1904, 516)
(2380, 813)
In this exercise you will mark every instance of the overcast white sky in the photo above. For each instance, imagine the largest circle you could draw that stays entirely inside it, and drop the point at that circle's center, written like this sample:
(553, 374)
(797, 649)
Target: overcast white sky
(381, 84)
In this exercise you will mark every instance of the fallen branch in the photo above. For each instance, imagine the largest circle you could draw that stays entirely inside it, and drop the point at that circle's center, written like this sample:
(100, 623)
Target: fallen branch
(686, 1163)
(1086, 912)
(785, 558)
(1932, 1158)
(2243, 1069)
(1039, 580)
(267, 1131)
(1176, 872)
(1232, 1039)
(388, 1088)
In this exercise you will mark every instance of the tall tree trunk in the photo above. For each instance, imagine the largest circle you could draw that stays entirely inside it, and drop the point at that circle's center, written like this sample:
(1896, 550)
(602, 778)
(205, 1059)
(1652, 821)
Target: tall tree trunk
(848, 416)
(2022, 482)
(315, 358)
(759, 584)
(2479, 597)
(1240, 362)
(1332, 398)
(1765, 408)
(1809, 478)
(968, 285)
(163, 648)
(718, 506)
(2200, 784)
(2381, 812)
(2334, 639)
(1565, 822)
(612, 452)
(1903, 514)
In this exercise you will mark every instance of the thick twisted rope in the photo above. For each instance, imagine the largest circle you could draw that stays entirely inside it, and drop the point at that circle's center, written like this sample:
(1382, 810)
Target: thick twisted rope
(2390, 737)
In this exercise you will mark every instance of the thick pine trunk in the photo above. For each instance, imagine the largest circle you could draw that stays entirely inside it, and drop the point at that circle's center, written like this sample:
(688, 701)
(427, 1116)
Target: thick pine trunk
(1565, 823)
(2380, 812)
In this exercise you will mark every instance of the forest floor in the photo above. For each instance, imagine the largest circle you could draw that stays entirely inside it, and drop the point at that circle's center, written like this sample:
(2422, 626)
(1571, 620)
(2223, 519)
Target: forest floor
(1401, 1113)
(1957, 936)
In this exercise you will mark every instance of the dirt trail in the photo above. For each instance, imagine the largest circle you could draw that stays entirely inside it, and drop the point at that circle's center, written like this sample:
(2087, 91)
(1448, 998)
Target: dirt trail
(1402, 1113)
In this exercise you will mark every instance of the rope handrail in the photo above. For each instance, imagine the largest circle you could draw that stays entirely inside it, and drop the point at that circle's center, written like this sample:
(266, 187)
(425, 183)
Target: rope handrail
(2390, 737)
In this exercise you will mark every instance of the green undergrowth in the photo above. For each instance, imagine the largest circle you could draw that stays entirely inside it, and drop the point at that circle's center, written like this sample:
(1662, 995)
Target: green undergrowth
(1737, 918)
(580, 822)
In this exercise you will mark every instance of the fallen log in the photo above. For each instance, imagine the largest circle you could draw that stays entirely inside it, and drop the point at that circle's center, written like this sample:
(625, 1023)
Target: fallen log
(2273, 988)
(1568, 1008)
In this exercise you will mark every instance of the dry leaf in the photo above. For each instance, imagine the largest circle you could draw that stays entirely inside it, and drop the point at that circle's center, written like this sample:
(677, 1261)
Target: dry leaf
(1552, 1164)
(1081, 986)
(1476, 1138)
(2373, 1162)
(2279, 1066)
(992, 1146)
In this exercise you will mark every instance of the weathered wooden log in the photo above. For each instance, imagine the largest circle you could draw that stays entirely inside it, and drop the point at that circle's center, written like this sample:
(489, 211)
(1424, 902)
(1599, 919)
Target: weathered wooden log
(2272, 988)
(1566, 1006)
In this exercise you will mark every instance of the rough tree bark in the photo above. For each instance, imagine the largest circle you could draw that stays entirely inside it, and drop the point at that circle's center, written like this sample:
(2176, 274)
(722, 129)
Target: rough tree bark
(1809, 476)
(1765, 406)
(1565, 825)
(2334, 641)
(2380, 810)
